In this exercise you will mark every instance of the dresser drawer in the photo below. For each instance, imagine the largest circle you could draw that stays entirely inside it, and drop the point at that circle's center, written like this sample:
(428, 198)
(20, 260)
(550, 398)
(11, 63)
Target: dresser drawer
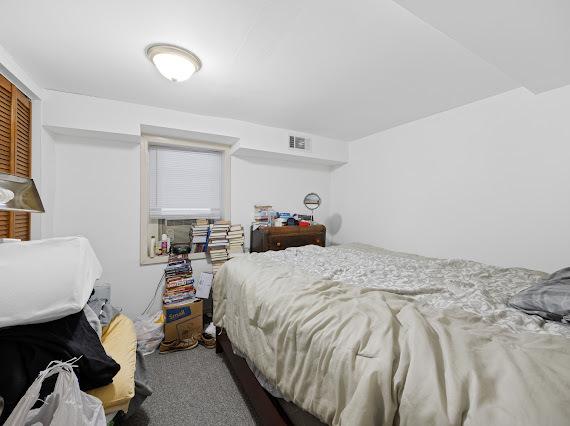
(281, 237)
(280, 242)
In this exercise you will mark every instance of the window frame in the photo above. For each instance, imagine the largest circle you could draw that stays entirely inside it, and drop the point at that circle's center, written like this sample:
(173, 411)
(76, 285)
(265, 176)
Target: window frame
(145, 221)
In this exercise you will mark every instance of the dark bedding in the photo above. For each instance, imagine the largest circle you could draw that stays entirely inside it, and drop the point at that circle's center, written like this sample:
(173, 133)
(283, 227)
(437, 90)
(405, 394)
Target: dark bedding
(26, 350)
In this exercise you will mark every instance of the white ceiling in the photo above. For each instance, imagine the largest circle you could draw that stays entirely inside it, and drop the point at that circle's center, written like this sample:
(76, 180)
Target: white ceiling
(343, 69)
(529, 40)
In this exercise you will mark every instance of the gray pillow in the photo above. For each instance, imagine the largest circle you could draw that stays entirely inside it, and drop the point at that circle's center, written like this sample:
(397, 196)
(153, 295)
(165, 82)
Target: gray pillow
(549, 299)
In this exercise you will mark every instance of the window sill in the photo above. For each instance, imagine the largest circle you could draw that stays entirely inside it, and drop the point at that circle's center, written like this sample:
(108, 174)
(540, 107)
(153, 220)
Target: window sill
(164, 259)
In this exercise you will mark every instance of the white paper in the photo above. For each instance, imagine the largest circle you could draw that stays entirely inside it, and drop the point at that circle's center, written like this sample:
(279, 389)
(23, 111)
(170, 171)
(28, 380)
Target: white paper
(204, 285)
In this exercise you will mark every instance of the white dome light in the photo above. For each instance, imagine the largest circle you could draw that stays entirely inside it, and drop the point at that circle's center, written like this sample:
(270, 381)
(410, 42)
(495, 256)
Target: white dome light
(173, 62)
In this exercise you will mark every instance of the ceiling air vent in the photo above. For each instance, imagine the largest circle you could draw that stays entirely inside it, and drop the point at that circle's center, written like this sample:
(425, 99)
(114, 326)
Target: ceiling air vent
(299, 142)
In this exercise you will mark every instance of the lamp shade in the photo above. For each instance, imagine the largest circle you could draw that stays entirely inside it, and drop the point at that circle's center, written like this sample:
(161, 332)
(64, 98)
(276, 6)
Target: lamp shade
(19, 194)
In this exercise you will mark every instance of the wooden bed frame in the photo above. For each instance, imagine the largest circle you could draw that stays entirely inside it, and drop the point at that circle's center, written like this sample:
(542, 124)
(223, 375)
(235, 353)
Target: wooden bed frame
(265, 406)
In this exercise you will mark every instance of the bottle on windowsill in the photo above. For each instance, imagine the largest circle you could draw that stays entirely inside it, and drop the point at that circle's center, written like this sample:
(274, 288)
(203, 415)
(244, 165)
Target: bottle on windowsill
(152, 246)
(164, 244)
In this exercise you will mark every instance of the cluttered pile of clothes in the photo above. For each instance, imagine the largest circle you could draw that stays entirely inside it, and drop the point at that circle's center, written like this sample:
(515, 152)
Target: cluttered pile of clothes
(48, 314)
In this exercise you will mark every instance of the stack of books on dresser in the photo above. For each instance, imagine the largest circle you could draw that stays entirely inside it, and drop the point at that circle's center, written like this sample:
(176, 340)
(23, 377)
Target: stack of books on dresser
(236, 239)
(218, 243)
(199, 235)
(179, 282)
(262, 215)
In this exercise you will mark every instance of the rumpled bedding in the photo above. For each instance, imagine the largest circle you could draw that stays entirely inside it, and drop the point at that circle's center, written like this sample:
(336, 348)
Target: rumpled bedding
(357, 335)
(481, 289)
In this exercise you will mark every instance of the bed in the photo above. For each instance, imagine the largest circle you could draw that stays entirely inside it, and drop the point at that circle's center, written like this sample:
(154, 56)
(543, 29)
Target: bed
(358, 335)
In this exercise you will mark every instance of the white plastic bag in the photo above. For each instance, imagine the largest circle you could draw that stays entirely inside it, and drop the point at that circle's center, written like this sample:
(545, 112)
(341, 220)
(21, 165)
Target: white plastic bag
(150, 332)
(67, 405)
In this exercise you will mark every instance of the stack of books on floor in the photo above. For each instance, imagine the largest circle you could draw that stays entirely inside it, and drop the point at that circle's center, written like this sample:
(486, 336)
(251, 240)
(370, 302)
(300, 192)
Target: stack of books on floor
(236, 239)
(179, 283)
(199, 236)
(218, 243)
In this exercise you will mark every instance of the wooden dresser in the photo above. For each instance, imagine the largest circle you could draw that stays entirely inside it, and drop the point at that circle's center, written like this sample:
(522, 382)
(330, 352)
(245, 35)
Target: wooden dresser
(280, 237)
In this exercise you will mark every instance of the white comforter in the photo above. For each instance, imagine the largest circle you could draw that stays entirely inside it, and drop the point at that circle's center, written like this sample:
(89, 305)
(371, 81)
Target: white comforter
(326, 328)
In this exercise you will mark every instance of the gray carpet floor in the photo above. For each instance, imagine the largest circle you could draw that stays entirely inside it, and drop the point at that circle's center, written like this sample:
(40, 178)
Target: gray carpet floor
(191, 387)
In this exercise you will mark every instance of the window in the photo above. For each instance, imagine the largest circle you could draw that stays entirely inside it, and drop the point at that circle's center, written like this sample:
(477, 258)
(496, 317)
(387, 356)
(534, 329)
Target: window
(184, 183)
(181, 181)
(15, 152)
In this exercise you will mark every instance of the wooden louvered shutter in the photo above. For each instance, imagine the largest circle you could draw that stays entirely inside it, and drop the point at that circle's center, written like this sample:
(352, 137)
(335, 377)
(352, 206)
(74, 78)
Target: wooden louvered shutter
(15, 151)
(5, 144)
(22, 148)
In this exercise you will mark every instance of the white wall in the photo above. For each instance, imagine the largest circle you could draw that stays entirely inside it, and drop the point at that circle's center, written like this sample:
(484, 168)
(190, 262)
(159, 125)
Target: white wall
(489, 181)
(282, 184)
(46, 184)
(97, 195)
(97, 184)
(70, 112)
(90, 185)
(10, 69)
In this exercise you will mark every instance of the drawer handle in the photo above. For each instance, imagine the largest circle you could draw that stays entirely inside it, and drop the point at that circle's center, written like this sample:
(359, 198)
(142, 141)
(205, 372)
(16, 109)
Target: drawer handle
(318, 241)
(278, 244)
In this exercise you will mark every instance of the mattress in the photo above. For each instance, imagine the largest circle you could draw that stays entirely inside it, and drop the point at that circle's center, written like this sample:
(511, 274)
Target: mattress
(360, 335)
(120, 342)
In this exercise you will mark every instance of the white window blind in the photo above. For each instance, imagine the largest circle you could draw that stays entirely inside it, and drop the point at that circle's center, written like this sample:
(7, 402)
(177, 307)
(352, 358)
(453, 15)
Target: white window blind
(184, 183)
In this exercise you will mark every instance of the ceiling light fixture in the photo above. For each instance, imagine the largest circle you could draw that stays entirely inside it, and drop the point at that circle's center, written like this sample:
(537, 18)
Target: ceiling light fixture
(173, 62)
